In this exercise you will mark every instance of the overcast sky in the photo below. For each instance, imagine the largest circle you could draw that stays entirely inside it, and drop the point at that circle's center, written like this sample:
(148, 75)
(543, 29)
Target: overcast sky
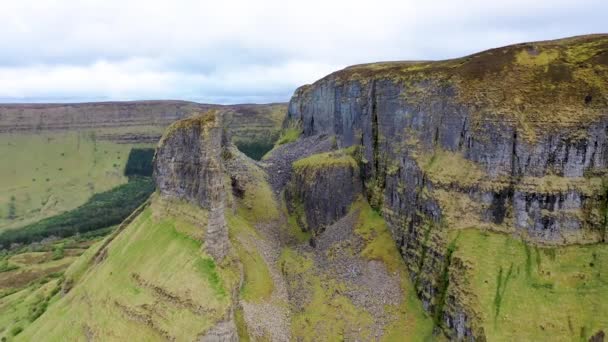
(235, 51)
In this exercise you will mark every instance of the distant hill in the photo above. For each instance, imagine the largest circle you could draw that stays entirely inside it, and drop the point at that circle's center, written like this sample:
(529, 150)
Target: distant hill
(56, 156)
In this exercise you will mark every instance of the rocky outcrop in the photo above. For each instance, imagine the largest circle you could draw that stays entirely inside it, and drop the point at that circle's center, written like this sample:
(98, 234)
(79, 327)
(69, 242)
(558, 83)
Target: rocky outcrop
(188, 166)
(511, 139)
(322, 189)
(224, 331)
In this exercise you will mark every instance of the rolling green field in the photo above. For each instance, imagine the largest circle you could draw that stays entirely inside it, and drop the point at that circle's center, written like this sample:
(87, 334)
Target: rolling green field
(44, 174)
(100, 211)
(528, 293)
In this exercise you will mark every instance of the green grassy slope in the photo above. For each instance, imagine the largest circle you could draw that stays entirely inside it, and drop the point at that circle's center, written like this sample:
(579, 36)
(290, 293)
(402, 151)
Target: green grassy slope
(154, 283)
(528, 293)
(45, 174)
(31, 276)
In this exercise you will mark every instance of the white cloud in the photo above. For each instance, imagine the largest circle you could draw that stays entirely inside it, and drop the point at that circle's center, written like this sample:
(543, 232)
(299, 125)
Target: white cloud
(239, 50)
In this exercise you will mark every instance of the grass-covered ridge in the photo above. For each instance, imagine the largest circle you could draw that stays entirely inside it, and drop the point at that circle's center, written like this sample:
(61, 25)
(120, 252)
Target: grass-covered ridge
(529, 293)
(153, 283)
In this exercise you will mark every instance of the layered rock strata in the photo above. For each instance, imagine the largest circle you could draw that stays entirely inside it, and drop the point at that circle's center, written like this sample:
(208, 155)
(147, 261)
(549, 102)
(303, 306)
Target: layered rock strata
(512, 140)
(188, 166)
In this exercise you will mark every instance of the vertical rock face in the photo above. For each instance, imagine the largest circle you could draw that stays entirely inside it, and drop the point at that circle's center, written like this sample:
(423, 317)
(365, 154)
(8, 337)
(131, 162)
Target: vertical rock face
(188, 166)
(322, 189)
(516, 136)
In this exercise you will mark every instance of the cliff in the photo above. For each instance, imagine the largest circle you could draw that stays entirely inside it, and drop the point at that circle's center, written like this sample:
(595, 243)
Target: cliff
(510, 140)
(322, 189)
(188, 166)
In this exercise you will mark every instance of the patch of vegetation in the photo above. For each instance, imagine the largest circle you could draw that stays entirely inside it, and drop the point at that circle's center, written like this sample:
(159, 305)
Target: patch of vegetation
(533, 59)
(139, 162)
(241, 325)
(501, 287)
(291, 262)
(446, 167)
(5, 266)
(257, 283)
(290, 133)
(208, 269)
(58, 252)
(201, 122)
(41, 304)
(444, 283)
(522, 296)
(330, 315)
(102, 210)
(16, 331)
(12, 209)
(296, 231)
(258, 204)
(19, 308)
(319, 161)
(380, 244)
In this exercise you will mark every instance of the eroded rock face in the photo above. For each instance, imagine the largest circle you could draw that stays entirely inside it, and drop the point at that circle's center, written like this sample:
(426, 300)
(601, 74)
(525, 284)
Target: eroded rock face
(188, 166)
(480, 129)
(319, 195)
(224, 331)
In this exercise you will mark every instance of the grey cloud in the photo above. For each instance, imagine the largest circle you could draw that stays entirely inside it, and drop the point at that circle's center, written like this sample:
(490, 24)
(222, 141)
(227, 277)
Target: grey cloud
(246, 51)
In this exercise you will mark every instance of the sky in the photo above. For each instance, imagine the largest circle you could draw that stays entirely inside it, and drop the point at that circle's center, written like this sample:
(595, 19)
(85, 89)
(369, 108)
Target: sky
(249, 51)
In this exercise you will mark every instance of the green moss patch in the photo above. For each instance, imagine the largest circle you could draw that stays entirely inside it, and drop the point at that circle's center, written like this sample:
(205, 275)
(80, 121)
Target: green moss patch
(257, 281)
(325, 160)
(379, 241)
(330, 316)
(529, 293)
(290, 133)
(446, 167)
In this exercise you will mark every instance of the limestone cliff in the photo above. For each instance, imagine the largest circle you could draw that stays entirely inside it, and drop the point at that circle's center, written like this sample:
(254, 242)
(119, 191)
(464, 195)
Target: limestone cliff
(188, 166)
(323, 188)
(511, 140)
